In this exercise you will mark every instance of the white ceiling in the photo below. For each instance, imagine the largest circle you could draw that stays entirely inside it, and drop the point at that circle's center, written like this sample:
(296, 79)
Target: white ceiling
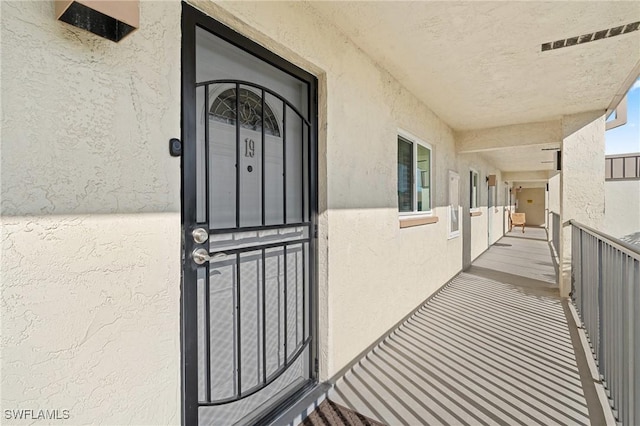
(480, 65)
(522, 159)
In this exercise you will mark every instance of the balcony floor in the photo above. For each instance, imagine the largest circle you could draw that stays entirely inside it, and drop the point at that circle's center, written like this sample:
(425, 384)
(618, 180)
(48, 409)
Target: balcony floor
(493, 347)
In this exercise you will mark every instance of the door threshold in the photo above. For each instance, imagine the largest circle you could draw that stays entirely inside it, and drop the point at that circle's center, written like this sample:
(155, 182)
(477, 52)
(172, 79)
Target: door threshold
(292, 410)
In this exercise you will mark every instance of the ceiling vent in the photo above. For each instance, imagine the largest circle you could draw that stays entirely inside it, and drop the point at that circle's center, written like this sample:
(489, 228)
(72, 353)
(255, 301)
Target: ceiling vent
(586, 38)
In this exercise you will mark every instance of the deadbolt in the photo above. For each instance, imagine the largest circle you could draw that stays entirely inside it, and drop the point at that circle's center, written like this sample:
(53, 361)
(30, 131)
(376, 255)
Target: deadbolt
(200, 235)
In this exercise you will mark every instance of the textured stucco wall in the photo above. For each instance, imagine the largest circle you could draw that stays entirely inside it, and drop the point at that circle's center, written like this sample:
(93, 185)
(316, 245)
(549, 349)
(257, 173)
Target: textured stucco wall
(480, 233)
(554, 193)
(582, 180)
(90, 268)
(509, 136)
(369, 267)
(534, 178)
(622, 207)
(497, 226)
(496, 212)
(90, 204)
(476, 228)
(505, 222)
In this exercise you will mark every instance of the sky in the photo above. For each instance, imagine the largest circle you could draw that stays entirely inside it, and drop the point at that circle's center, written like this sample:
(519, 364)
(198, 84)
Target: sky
(626, 139)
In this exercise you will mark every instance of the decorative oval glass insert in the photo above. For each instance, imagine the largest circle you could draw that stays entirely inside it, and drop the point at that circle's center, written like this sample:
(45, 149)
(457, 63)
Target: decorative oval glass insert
(223, 109)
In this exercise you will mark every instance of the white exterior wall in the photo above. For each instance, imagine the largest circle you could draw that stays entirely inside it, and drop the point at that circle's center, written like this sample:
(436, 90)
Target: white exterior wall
(622, 207)
(497, 216)
(479, 233)
(553, 202)
(479, 236)
(508, 136)
(90, 269)
(91, 201)
(497, 212)
(369, 267)
(581, 181)
(554, 194)
(509, 203)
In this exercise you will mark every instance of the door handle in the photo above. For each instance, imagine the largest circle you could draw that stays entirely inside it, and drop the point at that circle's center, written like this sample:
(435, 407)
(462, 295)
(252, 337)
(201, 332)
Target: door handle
(200, 256)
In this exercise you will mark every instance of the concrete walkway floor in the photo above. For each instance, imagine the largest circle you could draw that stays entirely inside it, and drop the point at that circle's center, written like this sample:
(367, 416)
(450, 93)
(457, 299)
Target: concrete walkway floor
(493, 347)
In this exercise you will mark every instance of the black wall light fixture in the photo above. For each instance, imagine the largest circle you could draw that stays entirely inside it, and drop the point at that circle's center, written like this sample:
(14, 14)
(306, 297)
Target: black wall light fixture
(112, 20)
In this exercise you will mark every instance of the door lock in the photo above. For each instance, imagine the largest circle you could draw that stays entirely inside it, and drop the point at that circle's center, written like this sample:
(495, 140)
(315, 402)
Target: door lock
(200, 256)
(200, 235)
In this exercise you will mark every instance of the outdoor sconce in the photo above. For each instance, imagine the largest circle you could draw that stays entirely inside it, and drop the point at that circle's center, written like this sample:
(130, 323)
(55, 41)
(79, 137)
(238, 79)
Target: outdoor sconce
(491, 180)
(113, 19)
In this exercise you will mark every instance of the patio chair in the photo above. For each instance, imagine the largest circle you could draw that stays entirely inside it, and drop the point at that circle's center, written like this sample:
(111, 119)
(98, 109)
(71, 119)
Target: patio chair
(517, 219)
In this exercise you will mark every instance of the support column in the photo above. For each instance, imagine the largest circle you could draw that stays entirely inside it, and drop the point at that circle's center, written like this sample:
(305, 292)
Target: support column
(581, 181)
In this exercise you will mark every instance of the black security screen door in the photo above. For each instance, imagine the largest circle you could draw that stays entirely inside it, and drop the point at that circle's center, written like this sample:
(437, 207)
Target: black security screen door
(249, 216)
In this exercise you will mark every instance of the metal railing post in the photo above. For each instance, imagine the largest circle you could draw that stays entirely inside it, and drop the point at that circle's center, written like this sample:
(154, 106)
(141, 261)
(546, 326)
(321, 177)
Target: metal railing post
(607, 297)
(581, 245)
(600, 310)
(634, 355)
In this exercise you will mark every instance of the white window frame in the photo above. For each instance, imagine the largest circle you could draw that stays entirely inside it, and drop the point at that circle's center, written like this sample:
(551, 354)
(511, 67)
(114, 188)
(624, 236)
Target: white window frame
(417, 141)
(453, 204)
(617, 117)
(477, 200)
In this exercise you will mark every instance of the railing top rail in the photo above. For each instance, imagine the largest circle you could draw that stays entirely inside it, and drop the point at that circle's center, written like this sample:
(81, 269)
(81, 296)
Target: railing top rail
(631, 249)
(630, 155)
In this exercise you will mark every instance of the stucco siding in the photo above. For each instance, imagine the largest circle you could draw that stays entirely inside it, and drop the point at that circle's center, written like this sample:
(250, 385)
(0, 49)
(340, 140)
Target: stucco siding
(479, 233)
(91, 200)
(90, 268)
(554, 193)
(90, 317)
(497, 226)
(582, 180)
(478, 226)
(367, 263)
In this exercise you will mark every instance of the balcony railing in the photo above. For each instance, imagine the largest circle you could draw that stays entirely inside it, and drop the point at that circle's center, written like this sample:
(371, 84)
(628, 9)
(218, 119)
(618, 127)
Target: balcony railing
(605, 278)
(555, 231)
(622, 167)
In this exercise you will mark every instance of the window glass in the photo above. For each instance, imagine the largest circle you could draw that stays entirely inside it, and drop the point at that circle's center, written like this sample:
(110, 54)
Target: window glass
(223, 109)
(474, 190)
(405, 175)
(423, 175)
(454, 204)
(414, 176)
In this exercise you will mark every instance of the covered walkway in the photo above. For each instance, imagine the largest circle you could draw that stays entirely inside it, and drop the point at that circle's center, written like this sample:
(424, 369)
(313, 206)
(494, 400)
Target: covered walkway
(493, 347)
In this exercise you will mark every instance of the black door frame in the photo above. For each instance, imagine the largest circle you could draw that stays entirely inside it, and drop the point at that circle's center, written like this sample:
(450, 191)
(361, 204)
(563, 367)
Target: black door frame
(192, 18)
